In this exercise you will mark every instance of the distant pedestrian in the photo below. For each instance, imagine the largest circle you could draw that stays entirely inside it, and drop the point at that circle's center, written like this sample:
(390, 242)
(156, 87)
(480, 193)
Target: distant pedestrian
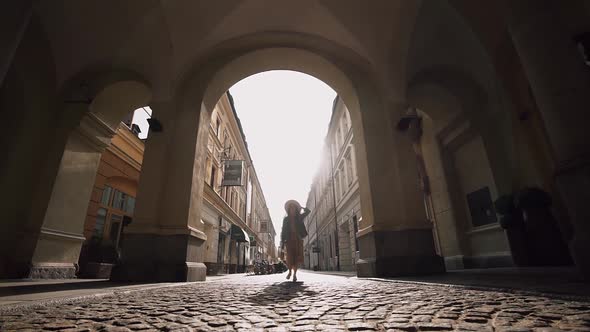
(292, 235)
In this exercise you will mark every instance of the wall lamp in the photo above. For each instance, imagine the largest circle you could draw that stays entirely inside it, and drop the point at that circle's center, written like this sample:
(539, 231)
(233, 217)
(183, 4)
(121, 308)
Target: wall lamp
(405, 121)
(155, 125)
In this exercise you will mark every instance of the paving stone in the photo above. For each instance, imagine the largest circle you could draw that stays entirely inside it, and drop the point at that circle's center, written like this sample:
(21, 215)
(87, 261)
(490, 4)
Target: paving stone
(323, 304)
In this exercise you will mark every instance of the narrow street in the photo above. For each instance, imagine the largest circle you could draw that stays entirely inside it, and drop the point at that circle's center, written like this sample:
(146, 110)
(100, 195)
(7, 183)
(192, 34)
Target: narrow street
(319, 302)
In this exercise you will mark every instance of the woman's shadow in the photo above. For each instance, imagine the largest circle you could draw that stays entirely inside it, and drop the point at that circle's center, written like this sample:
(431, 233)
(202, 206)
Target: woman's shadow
(280, 292)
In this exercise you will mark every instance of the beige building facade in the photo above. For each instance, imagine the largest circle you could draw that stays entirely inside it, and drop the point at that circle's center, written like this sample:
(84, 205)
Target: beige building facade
(509, 76)
(235, 217)
(332, 243)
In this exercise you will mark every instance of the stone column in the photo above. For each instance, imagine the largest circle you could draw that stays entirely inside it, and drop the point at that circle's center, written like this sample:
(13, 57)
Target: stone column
(395, 237)
(61, 235)
(165, 240)
(560, 82)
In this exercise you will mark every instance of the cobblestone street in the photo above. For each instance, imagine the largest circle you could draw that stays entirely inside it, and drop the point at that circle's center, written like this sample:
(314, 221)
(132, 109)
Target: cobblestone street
(317, 303)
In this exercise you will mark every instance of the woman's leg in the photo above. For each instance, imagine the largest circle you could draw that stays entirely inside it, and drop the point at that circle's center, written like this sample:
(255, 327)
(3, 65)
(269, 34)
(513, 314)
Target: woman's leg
(289, 275)
(295, 273)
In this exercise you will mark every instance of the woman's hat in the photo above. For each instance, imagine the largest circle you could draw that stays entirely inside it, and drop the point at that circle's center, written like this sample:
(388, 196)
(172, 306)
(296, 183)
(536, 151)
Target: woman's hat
(292, 202)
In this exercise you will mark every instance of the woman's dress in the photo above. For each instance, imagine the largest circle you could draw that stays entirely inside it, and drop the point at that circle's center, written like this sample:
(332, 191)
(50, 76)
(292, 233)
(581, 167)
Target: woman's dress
(294, 246)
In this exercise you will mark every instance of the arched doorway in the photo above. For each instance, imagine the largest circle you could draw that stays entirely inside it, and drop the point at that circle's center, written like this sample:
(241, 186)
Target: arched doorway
(204, 87)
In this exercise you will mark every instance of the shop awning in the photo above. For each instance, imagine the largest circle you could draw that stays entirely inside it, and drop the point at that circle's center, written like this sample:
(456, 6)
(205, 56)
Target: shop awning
(239, 234)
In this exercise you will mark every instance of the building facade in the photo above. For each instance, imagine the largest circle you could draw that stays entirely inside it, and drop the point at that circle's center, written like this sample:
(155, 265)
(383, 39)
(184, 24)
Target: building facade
(334, 199)
(112, 202)
(235, 217)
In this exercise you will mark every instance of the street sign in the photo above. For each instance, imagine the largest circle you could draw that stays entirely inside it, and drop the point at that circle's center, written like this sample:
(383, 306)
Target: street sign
(315, 249)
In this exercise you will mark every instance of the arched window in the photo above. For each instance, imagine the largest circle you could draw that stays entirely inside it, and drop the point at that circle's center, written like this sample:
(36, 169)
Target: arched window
(349, 171)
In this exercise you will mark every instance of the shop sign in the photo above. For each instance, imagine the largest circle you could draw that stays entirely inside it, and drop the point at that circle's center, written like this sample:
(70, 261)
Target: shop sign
(233, 173)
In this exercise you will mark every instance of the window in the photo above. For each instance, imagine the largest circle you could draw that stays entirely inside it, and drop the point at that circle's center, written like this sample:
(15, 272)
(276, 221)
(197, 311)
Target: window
(212, 178)
(101, 217)
(115, 228)
(349, 167)
(123, 201)
(114, 206)
(119, 200)
(347, 119)
(343, 131)
(218, 126)
(106, 195)
(342, 179)
(130, 205)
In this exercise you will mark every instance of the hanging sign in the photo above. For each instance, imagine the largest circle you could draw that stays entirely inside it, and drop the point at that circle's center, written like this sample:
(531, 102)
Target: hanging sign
(233, 173)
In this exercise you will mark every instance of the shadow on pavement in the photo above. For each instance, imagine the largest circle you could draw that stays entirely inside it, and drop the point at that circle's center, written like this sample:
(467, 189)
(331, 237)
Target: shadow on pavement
(280, 292)
(40, 287)
(547, 280)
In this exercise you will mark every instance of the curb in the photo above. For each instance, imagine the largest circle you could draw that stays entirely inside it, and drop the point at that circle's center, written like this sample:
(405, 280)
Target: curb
(509, 290)
(7, 308)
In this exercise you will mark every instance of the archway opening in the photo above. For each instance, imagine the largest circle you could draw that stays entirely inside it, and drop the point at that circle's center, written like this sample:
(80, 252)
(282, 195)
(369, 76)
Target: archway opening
(296, 158)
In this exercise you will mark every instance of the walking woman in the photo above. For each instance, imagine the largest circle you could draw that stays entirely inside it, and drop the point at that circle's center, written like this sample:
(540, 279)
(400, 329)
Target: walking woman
(292, 235)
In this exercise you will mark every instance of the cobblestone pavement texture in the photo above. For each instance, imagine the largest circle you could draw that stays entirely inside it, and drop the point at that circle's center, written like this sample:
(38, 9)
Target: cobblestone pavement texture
(319, 303)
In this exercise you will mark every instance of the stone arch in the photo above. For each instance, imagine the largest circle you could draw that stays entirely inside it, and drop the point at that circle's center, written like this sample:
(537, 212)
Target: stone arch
(91, 114)
(170, 205)
(347, 73)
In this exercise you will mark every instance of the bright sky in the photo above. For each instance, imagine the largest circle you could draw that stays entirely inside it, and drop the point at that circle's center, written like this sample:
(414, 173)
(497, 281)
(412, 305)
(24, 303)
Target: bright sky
(285, 117)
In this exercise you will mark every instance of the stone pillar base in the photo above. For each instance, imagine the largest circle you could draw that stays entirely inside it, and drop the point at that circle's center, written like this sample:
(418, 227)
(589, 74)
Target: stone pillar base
(214, 268)
(398, 253)
(52, 271)
(160, 258)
